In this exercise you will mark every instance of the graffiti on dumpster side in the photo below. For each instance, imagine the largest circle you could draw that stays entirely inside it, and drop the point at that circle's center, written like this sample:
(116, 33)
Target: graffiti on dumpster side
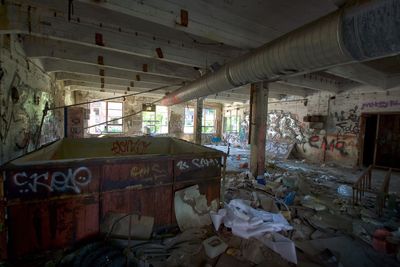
(58, 181)
(129, 146)
(148, 170)
(197, 162)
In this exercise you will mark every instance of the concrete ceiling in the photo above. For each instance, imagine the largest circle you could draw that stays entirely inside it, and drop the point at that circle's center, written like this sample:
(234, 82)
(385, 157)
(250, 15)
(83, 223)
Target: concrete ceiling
(121, 45)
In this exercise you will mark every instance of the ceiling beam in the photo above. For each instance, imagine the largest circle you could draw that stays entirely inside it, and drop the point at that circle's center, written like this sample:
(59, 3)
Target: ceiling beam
(42, 22)
(218, 99)
(365, 75)
(278, 88)
(54, 65)
(118, 87)
(313, 82)
(235, 23)
(111, 90)
(223, 26)
(38, 47)
(107, 80)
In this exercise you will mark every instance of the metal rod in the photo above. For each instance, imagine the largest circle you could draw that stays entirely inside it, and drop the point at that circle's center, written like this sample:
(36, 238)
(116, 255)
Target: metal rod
(39, 130)
(120, 118)
(114, 97)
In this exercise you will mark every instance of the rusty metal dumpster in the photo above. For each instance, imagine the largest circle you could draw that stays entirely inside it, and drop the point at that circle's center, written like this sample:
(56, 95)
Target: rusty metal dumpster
(57, 196)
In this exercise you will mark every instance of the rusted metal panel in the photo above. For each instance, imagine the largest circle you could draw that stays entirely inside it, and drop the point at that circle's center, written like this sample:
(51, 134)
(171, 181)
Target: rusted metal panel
(197, 167)
(42, 225)
(49, 181)
(163, 205)
(3, 230)
(152, 201)
(137, 173)
(3, 225)
(58, 200)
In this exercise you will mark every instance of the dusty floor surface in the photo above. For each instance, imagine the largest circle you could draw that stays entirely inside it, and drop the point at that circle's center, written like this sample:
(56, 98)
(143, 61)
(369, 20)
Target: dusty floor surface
(325, 221)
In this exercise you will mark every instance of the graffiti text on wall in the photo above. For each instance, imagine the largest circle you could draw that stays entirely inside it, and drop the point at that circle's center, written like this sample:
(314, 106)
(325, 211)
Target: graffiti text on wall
(58, 181)
(380, 104)
(279, 150)
(21, 108)
(347, 122)
(334, 144)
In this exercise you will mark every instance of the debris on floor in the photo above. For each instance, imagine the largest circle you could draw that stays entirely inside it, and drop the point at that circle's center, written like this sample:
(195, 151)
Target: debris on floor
(302, 215)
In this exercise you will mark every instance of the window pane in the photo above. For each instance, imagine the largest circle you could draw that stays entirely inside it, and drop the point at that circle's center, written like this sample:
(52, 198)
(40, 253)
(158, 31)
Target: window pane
(161, 124)
(115, 105)
(208, 120)
(114, 128)
(189, 121)
(97, 115)
(114, 113)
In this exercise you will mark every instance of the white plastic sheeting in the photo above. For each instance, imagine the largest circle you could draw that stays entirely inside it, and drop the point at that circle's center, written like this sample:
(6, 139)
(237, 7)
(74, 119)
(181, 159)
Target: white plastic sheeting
(246, 221)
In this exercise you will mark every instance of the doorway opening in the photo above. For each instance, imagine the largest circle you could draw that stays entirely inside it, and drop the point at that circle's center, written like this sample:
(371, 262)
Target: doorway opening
(381, 142)
(369, 139)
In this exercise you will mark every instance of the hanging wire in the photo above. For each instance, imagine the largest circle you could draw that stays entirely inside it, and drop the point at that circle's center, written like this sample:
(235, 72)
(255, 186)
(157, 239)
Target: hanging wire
(115, 97)
(120, 118)
(47, 108)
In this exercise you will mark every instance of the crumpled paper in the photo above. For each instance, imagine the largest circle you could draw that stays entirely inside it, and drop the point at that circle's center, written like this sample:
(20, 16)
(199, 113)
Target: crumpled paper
(246, 221)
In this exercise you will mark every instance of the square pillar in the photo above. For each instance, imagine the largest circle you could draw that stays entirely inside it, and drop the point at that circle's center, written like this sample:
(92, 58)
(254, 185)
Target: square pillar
(198, 118)
(258, 124)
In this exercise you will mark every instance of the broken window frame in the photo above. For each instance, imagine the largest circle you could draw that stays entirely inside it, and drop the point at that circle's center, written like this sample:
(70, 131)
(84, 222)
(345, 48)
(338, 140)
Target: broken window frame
(104, 109)
(156, 121)
(188, 127)
(210, 128)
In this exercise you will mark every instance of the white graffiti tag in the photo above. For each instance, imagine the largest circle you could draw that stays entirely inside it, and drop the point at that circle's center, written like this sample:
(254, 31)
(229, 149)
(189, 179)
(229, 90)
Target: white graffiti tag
(182, 165)
(202, 163)
(199, 163)
(59, 181)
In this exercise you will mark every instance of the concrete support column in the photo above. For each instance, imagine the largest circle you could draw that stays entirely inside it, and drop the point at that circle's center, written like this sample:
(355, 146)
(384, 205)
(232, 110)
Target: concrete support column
(198, 118)
(258, 124)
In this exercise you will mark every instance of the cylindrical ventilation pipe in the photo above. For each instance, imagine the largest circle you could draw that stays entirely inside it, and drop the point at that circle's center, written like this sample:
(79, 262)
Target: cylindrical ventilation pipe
(355, 33)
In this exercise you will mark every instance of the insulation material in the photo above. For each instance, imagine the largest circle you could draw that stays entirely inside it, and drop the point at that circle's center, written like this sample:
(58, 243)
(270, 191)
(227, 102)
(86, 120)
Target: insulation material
(191, 208)
(246, 221)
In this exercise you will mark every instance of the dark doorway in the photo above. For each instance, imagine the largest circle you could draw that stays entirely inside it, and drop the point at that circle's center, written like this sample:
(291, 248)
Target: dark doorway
(388, 141)
(369, 139)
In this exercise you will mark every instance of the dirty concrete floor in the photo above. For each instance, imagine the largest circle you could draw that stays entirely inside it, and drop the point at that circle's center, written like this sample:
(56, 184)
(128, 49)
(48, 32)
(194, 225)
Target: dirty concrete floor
(345, 230)
(238, 156)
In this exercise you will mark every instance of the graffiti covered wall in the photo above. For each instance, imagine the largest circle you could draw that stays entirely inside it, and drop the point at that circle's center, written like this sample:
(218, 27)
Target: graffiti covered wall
(24, 91)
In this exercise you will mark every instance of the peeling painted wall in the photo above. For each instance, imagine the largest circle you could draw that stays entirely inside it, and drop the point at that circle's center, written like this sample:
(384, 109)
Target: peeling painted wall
(24, 91)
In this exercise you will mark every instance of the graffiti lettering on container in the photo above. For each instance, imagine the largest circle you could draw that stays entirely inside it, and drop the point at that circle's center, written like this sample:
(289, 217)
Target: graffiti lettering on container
(146, 170)
(381, 104)
(129, 146)
(72, 180)
(182, 165)
(198, 162)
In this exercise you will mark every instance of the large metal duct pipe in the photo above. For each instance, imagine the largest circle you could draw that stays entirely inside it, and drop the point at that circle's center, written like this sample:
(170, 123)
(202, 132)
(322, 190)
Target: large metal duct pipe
(355, 33)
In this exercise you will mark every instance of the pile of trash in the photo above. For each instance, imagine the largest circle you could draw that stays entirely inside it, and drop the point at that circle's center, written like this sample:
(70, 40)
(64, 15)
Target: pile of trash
(295, 215)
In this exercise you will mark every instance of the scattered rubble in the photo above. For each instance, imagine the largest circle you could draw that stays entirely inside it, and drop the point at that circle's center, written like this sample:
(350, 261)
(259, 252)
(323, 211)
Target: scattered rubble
(299, 214)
